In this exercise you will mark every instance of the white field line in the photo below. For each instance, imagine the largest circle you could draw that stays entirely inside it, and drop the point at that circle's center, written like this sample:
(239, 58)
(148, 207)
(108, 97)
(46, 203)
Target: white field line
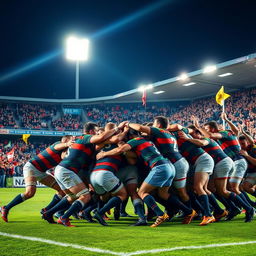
(75, 246)
(97, 250)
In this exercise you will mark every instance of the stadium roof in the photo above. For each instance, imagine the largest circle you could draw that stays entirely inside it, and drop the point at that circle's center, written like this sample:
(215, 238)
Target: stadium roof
(236, 74)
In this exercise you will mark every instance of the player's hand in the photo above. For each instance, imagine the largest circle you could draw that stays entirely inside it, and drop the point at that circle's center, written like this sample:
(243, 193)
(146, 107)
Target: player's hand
(224, 116)
(122, 125)
(69, 143)
(182, 135)
(243, 152)
(100, 155)
(195, 121)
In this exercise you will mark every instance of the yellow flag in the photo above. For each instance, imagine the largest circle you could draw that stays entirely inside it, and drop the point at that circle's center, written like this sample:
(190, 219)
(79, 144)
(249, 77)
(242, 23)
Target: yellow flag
(221, 96)
(25, 137)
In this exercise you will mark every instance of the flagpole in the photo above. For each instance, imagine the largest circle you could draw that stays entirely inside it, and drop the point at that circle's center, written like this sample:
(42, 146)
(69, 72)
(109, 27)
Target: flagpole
(223, 111)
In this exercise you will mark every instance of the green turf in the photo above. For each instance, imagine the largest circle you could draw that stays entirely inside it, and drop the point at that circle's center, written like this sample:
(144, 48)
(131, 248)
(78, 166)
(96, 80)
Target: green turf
(25, 220)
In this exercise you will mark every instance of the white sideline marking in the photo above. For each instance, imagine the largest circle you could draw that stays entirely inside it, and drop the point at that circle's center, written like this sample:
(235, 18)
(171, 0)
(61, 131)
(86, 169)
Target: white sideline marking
(75, 246)
(187, 248)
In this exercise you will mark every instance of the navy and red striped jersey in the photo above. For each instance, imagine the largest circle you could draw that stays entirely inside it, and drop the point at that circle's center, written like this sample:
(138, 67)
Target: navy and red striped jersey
(214, 150)
(252, 152)
(109, 163)
(146, 150)
(80, 155)
(47, 159)
(166, 144)
(187, 149)
(230, 145)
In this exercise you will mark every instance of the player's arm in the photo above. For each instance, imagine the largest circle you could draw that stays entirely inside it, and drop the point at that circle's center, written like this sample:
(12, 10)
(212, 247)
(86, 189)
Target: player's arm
(114, 152)
(97, 139)
(62, 145)
(247, 136)
(119, 137)
(251, 159)
(197, 142)
(174, 127)
(233, 127)
(140, 128)
(177, 127)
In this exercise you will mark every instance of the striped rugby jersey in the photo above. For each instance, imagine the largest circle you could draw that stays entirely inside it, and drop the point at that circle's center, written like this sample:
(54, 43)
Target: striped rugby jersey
(80, 155)
(166, 144)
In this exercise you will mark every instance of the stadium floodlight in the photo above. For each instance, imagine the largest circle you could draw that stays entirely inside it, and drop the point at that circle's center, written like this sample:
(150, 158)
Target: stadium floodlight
(209, 69)
(158, 92)
(188, 84)
(225, 74)
(77, 49)
(183, 77)
(149, 87)
(144, 87)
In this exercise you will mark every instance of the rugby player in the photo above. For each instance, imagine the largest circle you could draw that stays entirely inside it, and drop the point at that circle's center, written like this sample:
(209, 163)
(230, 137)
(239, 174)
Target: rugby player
(201, 168)
(35, 170)
(79, 157)
(167, 145)
(227, 139)
(160, 177)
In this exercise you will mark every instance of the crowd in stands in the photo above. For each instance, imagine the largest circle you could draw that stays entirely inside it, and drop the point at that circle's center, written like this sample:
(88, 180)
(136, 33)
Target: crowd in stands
(35, 116)
(68, 122)
(6, 116)
(133, 112)
(240, 106)
(22, 153)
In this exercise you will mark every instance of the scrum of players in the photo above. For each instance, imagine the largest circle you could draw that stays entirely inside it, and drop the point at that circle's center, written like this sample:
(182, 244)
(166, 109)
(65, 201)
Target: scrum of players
(186, 170)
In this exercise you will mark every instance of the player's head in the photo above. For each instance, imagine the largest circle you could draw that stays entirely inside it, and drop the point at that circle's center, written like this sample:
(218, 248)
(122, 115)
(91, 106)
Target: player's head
(243, 142)
(110, 126)
(161, 122)
(100, 130)
(67, 138)
(131, 134)
(211, 126)
(196, 133)
(90, 128)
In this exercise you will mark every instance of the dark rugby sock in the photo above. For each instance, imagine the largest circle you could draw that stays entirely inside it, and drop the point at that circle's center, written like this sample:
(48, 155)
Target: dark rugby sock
(113, 202)
(74, 208)
(17, 200)
(215, 205)
(174, 200)
(203, 199)
(56, 198)
(63, 204)
(139, 208)
(151, 203)
(239, 201)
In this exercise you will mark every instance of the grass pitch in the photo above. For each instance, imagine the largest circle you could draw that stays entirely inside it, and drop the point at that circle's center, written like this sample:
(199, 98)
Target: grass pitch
(25, 220)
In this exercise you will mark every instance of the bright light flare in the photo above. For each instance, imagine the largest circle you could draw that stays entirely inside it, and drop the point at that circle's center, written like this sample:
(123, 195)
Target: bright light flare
(77, 49)
(183, 77)
(209, 69)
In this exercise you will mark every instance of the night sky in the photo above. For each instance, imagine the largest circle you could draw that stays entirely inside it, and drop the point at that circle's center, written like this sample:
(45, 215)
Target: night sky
(182, 35)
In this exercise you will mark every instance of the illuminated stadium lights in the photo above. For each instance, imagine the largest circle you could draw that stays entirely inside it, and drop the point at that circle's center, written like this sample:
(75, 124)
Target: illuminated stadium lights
(77, 49)
(225, 74)
(158, 92)
(188, 84)
(149, 86)
(209, 69)
(141, 88)
(145, 87)
(183, 77)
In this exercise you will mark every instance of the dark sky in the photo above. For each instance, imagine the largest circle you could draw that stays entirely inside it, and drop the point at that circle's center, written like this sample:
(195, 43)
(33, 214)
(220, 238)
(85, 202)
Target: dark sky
(183, 35)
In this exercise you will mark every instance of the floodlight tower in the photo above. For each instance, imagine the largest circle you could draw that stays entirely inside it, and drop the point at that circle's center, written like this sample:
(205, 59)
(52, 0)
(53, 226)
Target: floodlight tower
(77, 50)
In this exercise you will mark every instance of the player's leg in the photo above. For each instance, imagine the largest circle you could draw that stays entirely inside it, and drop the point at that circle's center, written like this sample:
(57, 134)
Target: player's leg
(30, 176)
